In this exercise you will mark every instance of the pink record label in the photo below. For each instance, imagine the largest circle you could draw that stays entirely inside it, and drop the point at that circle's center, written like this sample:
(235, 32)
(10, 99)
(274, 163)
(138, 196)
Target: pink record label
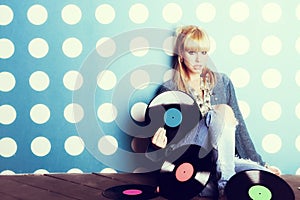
(132, 192)
(184, 172)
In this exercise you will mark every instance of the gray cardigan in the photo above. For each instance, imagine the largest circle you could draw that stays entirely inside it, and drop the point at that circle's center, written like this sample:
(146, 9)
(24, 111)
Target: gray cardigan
(224, 93)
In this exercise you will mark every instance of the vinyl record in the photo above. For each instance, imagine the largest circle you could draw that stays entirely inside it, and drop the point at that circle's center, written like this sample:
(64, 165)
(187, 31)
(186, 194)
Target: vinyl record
(176, 111)
(131, 192)
(258, 185)
(185, 177)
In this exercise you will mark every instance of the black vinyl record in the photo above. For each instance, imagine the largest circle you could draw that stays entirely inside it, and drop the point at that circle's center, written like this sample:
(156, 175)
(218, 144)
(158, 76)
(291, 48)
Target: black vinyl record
(187, 176)
(258, 185)
(176, 111)
(131, 192)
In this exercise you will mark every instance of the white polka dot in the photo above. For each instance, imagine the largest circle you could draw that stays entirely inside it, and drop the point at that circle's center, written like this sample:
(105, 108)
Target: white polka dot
(74, 171)
(271, 12)
(172, 13)
(105, 14)
(106, 80)
(168, 75)
(6, 15)
(168, 45)
(8, 147)
(108, 170)
(138, 13)
(108, 145)
(40, 171)
(297, 45)
(37, 14)
(298, 171)
(298, 12)
(297, 78)
(297, 143)
(71, 14)
(271, 78)
(138, 111)
(106, 47)
(271, 111)
(8, 114)
(239, 11)
(139, 46)
(7, 48)
(239, 45)
(271, 143)
(40, 113)
(139, 79)
(7, 172)
(73, 113)
(73, 80)
(271, 45)
(107, 112)
(72, 47)
(40, 146)
(205, 12)
(38, 48)
(240, 77)
(39, 81)
(297, 110)
(245, 108)
(74, 145)
(7, 81)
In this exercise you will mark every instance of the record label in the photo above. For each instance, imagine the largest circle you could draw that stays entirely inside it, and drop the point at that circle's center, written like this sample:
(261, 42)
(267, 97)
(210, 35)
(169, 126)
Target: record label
(258, 192)
(184, 172)
(132, 192)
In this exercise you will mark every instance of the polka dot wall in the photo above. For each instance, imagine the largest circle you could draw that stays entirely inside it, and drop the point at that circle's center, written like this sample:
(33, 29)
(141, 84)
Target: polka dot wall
(75, 76)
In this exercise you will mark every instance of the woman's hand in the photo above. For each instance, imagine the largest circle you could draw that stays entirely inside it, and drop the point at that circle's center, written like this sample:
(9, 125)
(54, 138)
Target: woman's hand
(160, 139)
(274, 170)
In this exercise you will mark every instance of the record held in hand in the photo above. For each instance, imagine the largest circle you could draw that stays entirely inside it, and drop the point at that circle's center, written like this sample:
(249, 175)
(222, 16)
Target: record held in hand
(131, 192)
(185, 172)
(258, 185)
(176, 111)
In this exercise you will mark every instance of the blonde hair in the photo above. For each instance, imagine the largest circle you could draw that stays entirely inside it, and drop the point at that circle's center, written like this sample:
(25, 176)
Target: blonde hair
(190, 38)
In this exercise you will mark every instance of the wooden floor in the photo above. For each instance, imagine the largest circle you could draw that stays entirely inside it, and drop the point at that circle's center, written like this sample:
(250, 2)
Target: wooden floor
(82, 186)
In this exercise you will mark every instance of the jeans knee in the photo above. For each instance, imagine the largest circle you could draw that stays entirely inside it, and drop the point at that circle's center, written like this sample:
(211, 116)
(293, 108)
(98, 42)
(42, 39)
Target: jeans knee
(226, 113)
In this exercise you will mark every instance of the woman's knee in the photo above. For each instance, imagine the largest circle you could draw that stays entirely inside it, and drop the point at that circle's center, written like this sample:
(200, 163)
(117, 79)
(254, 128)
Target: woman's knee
(226, 114)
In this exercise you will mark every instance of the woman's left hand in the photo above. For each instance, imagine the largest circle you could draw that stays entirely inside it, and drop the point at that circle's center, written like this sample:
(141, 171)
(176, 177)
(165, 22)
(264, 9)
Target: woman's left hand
(274, 170)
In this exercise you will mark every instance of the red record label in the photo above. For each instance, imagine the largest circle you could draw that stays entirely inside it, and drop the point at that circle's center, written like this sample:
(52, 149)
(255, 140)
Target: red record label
(184, 172)
(132, 192)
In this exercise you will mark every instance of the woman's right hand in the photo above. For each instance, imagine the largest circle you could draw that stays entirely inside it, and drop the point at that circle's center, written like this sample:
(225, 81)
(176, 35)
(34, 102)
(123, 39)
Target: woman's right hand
(160, 139)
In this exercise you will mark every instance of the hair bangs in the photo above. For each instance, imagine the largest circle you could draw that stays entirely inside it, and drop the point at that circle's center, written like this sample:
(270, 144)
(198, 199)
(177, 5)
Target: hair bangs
(196, 41)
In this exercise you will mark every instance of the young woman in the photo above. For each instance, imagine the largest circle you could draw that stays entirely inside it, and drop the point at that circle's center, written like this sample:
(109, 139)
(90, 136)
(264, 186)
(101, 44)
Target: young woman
(215, 95)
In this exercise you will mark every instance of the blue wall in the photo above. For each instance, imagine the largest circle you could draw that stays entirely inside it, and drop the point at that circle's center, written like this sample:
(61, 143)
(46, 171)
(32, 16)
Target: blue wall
(68, 97)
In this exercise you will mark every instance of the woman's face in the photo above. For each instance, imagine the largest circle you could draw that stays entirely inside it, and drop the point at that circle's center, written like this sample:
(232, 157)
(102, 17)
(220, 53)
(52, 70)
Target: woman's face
(194, 61)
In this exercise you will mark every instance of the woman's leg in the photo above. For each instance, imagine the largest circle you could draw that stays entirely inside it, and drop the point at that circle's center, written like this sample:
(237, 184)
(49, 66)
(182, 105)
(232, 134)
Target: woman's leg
(222, 125)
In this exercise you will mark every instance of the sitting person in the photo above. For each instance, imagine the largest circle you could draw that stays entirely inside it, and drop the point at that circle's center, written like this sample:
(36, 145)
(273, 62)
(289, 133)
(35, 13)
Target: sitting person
(222, 123)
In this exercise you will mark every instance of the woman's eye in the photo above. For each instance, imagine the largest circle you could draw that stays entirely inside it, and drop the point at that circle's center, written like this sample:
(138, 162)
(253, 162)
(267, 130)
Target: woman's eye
(192, 52)
(204, 52)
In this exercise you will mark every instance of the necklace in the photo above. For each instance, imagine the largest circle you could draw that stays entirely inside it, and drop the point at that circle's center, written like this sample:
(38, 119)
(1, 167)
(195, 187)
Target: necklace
(203, 100)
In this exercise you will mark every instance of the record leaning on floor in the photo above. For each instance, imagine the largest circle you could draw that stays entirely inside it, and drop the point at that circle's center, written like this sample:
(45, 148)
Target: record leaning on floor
(131, 192)
(185, 177)
(258, 185)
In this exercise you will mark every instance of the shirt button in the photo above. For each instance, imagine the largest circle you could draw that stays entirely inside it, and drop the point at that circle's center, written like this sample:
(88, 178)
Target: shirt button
(216, 98)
